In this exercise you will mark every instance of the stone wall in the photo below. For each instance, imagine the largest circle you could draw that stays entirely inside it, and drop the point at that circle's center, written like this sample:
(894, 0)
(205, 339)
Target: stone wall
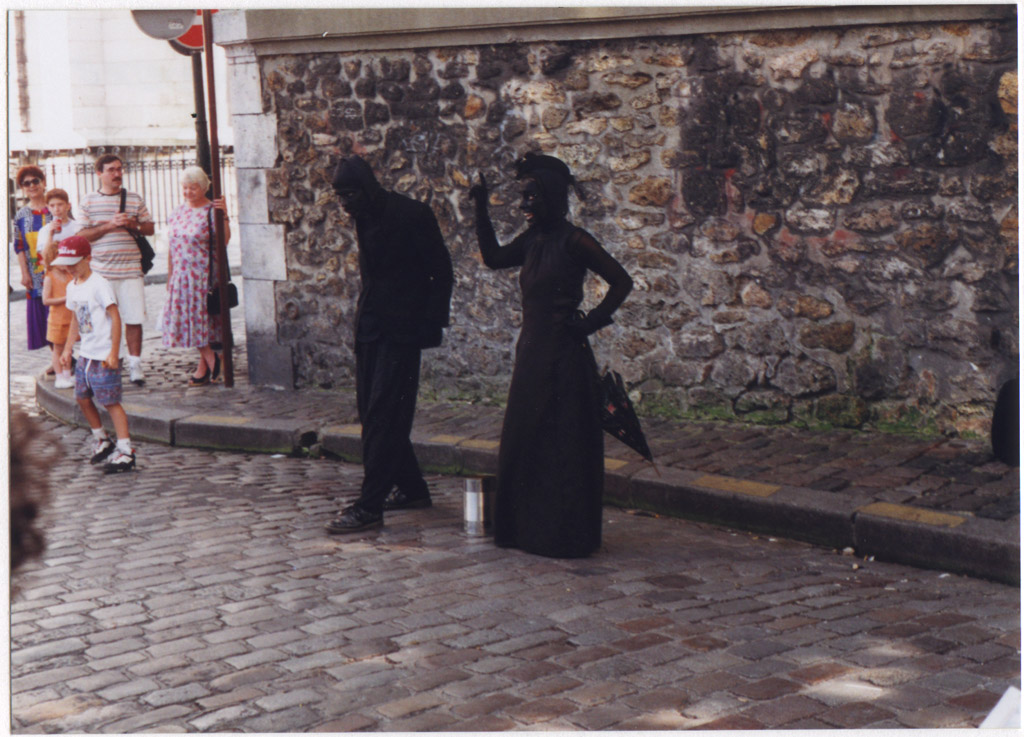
(821, 225)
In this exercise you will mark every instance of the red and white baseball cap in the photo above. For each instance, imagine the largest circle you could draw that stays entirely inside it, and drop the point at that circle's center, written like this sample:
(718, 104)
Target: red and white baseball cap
(71, 250)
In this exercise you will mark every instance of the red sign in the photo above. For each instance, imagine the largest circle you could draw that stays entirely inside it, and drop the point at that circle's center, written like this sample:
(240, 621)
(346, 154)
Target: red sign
(193, 37)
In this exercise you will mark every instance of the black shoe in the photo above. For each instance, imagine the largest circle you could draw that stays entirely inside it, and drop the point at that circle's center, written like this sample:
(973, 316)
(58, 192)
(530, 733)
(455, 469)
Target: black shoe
(200, 380)
(398, 499)
(354, 519)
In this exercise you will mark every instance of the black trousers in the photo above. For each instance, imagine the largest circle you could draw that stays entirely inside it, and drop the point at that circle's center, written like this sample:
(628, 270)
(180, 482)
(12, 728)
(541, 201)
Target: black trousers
(387, 379)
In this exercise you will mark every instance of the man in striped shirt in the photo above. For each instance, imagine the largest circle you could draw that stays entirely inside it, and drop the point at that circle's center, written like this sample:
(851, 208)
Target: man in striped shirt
(115, 256)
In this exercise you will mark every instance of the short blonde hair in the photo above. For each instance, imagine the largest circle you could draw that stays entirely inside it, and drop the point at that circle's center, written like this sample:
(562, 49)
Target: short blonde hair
(195, 175)
(50, 253)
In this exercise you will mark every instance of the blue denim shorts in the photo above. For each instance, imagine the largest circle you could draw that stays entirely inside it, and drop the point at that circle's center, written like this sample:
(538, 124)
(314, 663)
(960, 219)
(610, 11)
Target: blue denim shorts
(93, 379)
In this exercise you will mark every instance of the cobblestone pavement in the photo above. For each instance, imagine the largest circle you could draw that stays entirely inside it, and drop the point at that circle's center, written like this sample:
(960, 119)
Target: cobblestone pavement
(201, 594)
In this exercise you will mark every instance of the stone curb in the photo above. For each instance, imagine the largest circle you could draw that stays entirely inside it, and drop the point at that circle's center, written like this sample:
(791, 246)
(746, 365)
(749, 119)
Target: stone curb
(889, 532)
(971, 546)
(233, 432)
(156, 424)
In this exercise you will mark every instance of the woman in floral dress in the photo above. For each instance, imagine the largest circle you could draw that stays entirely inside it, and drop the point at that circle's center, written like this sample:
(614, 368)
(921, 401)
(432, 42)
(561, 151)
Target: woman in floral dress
(190, 268)
(28, 221)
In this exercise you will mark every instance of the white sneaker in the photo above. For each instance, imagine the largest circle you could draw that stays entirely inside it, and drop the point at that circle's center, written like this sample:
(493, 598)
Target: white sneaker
(120, 462)
(135, 374)
(63, 382)
(102, 447)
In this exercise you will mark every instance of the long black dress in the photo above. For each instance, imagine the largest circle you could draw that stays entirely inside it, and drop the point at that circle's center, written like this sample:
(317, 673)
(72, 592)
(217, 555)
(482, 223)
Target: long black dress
(551, 459)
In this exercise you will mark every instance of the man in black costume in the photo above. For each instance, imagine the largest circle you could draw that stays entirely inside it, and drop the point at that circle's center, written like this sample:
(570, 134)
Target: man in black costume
(406, 286)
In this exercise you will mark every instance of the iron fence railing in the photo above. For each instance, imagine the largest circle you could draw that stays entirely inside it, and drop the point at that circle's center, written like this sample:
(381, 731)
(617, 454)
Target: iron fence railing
(152, 171)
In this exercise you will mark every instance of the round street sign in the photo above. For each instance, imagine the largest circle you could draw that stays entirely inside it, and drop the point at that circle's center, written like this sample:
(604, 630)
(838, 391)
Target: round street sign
(192, 38)
(163, 24)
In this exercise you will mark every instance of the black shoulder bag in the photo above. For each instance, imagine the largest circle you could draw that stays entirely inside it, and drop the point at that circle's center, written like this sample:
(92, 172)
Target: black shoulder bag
(213, 293)
(145, 249)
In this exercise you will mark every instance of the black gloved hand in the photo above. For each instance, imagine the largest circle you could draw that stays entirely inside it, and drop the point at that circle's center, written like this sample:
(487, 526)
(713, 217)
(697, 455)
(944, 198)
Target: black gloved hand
(582, 325)
(429, 336)
(478, 192)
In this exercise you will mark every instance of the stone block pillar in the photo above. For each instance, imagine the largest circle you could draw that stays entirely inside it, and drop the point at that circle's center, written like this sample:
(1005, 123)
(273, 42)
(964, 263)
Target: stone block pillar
(262, 242)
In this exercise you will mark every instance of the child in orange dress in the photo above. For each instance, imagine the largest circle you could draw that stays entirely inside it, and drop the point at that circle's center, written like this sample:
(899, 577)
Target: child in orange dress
(55, 285)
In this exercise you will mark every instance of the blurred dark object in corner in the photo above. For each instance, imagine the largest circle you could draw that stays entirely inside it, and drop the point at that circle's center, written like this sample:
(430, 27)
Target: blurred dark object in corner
(1006, 424)
(31, 455)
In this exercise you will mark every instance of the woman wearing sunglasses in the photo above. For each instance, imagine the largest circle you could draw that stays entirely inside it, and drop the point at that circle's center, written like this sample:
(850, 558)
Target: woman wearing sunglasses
(29, 220)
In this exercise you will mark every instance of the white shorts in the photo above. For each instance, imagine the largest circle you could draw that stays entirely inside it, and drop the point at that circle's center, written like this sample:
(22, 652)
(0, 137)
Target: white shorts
(131, 299)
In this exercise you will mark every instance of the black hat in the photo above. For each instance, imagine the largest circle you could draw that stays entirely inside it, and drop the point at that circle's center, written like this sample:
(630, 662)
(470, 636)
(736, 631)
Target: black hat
(532, 164)
(355, 173)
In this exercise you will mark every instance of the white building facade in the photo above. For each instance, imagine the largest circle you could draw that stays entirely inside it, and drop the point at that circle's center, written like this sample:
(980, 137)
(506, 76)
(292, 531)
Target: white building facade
(85, 78)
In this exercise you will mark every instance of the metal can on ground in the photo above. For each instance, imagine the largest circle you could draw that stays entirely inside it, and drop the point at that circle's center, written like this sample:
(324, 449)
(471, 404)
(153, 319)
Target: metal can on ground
(479, 505)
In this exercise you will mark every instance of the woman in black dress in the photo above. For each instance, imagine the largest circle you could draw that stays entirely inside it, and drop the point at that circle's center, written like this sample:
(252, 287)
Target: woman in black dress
(551, 460)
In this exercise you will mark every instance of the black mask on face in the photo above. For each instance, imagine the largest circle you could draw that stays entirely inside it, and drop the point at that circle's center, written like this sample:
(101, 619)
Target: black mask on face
(353, 200)
(545, 197)
(355, 184)
(533, 205)
(554, 179)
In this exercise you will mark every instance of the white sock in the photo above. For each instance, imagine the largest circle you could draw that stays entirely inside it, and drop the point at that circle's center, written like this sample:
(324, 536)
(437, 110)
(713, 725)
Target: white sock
(125, 445)
(134, 361)
(99, 433)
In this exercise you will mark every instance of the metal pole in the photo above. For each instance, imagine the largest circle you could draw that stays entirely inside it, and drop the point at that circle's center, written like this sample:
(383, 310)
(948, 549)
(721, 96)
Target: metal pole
(222, 257)
(202, 141)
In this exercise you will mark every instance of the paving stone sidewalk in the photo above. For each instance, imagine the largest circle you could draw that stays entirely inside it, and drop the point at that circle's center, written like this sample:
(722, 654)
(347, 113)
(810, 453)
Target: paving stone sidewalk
(202, 594)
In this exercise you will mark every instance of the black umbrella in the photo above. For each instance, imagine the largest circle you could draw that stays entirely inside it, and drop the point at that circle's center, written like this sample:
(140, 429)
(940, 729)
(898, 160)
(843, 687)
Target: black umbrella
(618, 418)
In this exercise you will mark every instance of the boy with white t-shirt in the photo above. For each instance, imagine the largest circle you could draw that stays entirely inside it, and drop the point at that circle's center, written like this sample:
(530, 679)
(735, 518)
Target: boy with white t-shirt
(94, 317)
